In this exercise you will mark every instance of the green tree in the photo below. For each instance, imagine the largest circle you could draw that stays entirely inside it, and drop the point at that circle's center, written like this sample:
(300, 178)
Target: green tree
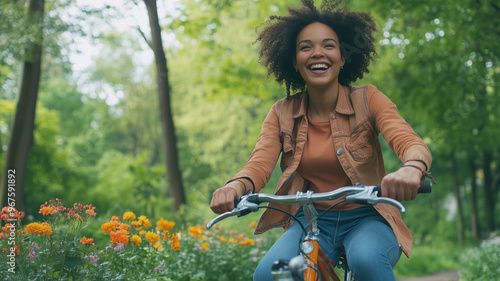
(21, 137)
(443, 72)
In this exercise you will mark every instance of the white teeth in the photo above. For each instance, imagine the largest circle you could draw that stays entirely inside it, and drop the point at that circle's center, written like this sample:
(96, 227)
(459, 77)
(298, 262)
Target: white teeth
(318, 66)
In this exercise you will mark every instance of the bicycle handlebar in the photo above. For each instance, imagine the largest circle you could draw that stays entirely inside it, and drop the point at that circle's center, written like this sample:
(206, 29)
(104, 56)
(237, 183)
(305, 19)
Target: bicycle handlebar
(358, 194)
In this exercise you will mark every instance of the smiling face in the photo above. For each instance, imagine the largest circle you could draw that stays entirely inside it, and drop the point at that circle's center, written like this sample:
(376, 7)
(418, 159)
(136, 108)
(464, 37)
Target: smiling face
(318, 56)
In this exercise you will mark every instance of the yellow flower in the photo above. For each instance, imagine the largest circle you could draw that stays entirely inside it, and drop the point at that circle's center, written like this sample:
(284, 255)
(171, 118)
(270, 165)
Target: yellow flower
(158, 246)
(128, 216)
(119, 236)
(163, 224)
(107, 227)
(223, 239)
(152, 237)
(136, 239)
(142, 232)
(205, 246)
(232, 240)
(247, 242)
(204, 238)
(144, 222)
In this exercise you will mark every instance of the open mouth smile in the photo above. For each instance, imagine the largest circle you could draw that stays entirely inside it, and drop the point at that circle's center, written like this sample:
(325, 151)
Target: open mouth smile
(318, 67)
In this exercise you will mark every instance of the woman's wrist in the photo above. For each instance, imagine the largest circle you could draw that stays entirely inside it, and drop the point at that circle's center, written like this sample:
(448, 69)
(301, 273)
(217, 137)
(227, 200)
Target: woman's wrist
(417, 165)
(238, 185)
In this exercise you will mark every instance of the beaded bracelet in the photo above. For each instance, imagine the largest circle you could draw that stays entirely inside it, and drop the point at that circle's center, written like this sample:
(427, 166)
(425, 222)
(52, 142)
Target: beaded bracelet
(425, 174)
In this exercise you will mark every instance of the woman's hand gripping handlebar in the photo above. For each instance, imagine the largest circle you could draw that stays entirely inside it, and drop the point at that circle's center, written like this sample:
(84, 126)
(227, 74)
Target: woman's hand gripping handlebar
(358, 194)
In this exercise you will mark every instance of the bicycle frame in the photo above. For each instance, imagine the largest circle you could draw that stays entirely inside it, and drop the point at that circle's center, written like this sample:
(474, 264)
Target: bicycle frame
(316, 257)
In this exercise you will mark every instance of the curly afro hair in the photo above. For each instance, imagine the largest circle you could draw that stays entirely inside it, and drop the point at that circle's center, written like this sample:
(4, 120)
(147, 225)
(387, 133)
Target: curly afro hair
(354, 30)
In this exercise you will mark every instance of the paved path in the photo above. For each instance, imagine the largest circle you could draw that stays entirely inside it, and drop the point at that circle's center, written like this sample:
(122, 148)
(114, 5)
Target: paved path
(440, 276)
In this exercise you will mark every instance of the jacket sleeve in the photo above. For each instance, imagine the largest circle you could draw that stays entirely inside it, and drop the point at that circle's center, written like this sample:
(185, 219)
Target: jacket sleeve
(264, 157)
(398, 134)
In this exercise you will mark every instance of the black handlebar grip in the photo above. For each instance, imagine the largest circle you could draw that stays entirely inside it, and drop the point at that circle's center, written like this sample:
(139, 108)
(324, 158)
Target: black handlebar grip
(425, 187)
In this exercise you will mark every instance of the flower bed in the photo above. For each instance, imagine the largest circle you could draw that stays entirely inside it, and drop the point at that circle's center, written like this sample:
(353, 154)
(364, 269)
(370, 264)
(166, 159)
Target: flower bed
(54, 249)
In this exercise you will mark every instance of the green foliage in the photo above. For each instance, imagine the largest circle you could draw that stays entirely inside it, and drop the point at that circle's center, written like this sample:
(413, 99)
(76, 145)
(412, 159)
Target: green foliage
(481, 263)
(428, 259)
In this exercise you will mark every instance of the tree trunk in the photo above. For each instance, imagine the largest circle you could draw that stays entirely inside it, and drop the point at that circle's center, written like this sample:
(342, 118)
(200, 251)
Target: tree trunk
(474, 217)
(460, 207)
(21, 136)
(488, 192)
(167, 123)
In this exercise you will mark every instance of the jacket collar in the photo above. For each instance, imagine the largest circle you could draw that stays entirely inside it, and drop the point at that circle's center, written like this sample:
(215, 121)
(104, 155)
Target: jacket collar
(343, 103)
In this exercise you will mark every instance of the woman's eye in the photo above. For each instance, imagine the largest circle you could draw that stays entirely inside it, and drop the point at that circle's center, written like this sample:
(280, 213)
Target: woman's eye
(305, 47)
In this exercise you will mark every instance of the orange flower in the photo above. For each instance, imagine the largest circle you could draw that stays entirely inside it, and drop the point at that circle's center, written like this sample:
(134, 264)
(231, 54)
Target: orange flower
(47, 211)
(205, 246)
(175, 245)
(136, 240)
(247, 242)
(39, 228)
(223, 239)
(163, 224)
(87, 241)
(124, 226)
(119, 236)
(128, 216)
(115, 218)
(232, 240)
(152, 237)
(109, 226)
(195, 231)
(252, 224)
(91, 212)
(165, 235)
(7, 227)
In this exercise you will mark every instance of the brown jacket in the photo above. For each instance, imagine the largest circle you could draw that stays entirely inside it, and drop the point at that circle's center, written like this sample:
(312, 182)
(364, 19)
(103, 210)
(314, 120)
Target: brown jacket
(362, 113)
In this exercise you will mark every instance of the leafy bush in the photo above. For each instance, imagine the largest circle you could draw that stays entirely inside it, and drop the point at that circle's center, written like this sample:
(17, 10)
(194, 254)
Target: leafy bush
(427, 259)
(137, 250)
(482, 263)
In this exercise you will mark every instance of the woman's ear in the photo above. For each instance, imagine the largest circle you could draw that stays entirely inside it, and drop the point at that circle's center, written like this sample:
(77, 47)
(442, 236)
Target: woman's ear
(342, 60)
(294, 62)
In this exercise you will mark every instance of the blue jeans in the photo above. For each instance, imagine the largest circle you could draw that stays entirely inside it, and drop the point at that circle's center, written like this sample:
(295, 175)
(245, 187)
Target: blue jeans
(370, 245)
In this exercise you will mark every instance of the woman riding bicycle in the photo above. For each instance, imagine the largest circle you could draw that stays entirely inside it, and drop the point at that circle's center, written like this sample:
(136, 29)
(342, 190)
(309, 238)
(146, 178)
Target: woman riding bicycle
(327, 137)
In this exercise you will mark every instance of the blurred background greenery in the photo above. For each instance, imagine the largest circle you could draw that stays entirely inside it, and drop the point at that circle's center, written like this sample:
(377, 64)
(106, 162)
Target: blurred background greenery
(98, 140)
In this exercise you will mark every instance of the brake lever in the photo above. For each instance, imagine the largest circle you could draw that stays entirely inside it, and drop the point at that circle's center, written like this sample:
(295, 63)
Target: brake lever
(370, 196)
(243, 208)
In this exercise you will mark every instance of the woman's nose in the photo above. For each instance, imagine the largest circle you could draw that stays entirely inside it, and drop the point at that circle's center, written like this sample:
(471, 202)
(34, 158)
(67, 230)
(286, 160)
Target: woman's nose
(317, 52)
